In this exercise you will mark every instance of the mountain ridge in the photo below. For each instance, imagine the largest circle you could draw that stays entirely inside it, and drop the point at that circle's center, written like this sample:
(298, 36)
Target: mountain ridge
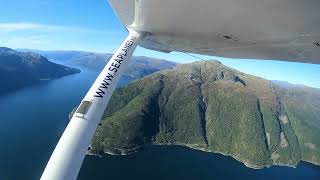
(201, 105)
(19, 69)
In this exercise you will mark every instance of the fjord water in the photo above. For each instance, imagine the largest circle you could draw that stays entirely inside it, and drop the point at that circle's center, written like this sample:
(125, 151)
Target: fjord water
(32, 120)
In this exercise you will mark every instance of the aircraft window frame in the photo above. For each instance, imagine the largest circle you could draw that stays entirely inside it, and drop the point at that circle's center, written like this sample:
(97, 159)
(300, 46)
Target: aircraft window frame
(84, 107)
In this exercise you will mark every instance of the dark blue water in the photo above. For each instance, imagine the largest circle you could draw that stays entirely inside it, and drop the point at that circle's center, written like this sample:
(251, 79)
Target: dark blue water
(176, 162)
(32, 120)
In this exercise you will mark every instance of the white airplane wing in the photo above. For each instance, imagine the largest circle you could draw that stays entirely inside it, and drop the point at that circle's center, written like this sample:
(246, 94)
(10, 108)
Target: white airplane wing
(287, 30)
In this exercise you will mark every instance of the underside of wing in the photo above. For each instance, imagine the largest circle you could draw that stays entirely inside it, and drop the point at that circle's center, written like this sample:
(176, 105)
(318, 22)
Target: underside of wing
(287, 30)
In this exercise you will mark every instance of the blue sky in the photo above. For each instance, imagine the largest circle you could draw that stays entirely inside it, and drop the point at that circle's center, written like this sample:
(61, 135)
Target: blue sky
(91, 25)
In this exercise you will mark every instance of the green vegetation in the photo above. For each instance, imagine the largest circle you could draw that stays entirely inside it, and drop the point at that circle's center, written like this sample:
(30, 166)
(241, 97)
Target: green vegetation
(208, 106)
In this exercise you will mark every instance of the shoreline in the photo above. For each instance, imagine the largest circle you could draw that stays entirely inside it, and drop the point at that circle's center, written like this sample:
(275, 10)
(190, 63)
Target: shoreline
(123, 152)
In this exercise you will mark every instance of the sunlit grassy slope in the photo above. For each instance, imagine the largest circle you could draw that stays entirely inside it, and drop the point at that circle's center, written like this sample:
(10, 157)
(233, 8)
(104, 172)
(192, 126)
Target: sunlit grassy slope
(208, 106)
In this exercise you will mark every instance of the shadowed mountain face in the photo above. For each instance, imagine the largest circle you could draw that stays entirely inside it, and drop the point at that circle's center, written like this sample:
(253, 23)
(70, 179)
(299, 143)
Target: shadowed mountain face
(139, 66)
(208, 106)
(18, 69)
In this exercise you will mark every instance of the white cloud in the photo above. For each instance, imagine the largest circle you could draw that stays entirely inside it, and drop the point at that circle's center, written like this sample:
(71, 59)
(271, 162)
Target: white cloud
(9, 27)
(55, 37)
(29, 26)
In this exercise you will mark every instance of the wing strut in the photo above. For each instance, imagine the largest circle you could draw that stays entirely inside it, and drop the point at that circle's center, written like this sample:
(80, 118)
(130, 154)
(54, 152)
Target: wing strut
(65, 161)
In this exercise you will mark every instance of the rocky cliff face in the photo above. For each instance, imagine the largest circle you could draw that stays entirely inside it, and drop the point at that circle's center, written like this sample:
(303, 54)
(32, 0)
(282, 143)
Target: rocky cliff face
(208, 106)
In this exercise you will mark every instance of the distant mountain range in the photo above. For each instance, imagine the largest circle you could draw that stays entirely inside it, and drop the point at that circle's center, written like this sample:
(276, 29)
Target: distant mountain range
(23, 67)
(139, 66)
(19, 69)
(208, 106)
(286, 84)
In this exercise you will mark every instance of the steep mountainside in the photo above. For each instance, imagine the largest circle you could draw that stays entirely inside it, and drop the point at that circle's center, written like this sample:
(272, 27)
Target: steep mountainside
(18, 69)
(208, 106)
(139, 66)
